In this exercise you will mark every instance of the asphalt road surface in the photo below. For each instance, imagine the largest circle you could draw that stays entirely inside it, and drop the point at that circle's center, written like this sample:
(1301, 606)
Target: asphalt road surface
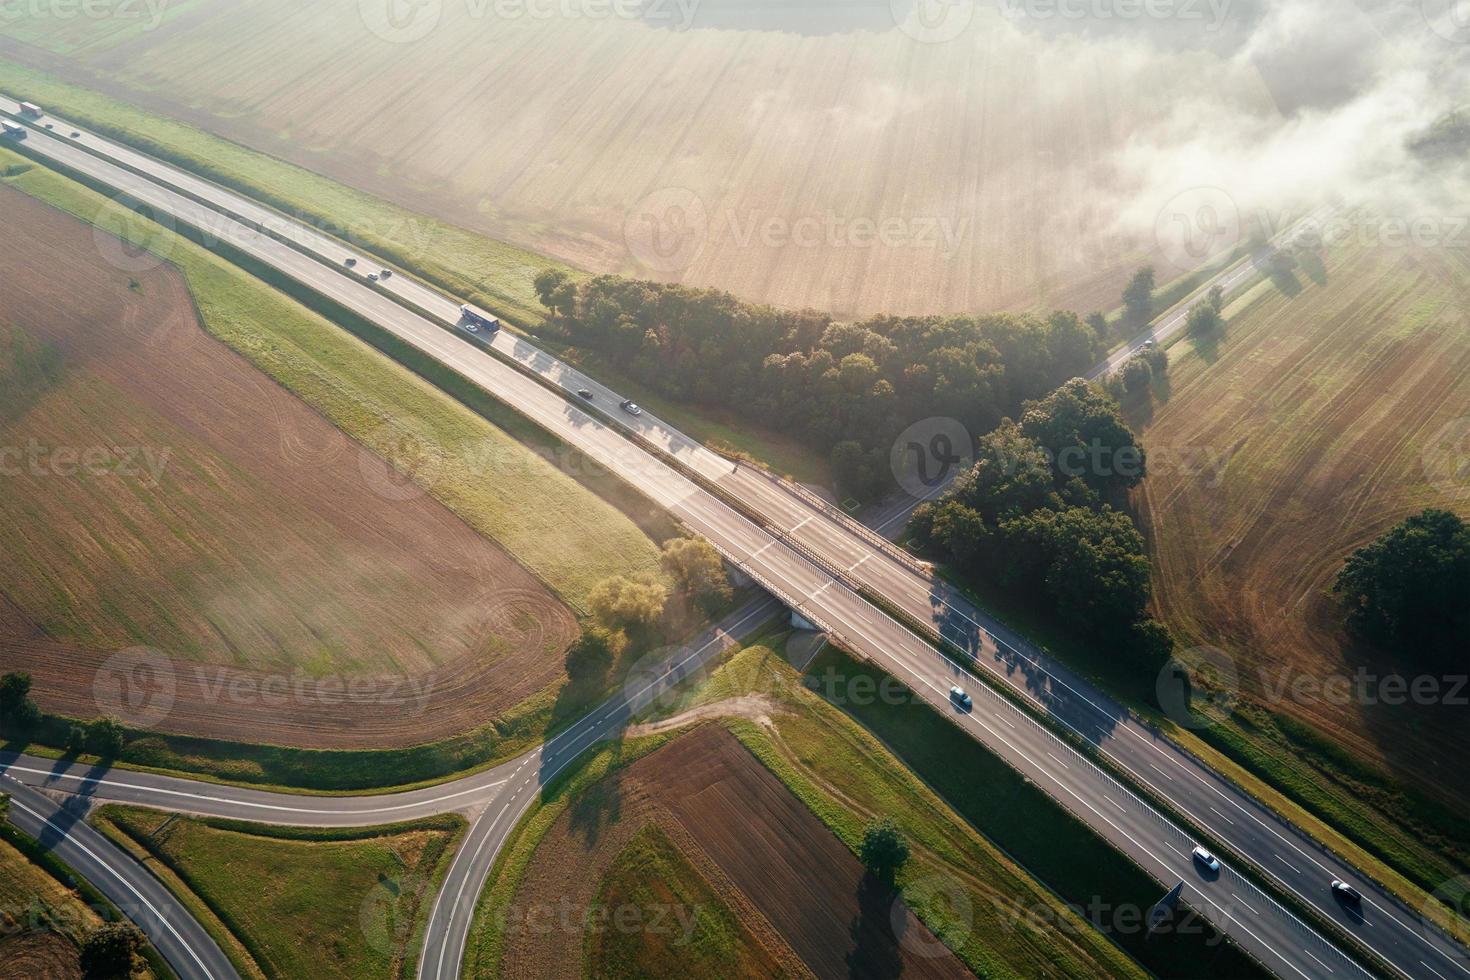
(817, 565)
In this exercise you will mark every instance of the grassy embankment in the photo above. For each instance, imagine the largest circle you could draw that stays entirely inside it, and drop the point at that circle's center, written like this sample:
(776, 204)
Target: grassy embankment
(298, 902)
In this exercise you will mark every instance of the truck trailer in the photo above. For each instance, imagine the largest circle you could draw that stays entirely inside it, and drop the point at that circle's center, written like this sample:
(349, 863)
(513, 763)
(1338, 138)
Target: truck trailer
(30, 109)
(12, 130)
(479, 318)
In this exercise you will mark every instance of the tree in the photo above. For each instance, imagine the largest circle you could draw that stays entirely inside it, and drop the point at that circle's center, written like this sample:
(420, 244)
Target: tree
(1082, 428)
(1406, 592)
(1099, 569)
(76, 740)
(15, 688)
(1138, 297)
(17, 710)
(628, 601)
(556, 291)
(700, 571)
(105, 737)
(1137, 373)
(1099, 325)
(107, 951)
(592, 654)
(884, 851)
(1204, 320)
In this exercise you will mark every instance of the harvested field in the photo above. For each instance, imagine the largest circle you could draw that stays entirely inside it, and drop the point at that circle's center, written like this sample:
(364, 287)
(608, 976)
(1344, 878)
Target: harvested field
(162, 492)
(814, 157)
(29, 955)
(796, 889)
(1321, 420)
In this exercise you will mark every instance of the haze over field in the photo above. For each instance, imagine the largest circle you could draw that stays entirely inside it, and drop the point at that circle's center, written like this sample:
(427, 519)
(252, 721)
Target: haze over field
(855, 157)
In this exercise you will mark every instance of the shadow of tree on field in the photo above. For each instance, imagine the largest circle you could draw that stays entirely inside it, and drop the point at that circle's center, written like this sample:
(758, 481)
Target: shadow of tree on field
(875, 952)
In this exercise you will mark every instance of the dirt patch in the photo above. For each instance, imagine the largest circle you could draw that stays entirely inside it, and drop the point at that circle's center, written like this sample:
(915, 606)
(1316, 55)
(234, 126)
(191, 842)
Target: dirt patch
(163, 493)
(757, 707)
(798, 887)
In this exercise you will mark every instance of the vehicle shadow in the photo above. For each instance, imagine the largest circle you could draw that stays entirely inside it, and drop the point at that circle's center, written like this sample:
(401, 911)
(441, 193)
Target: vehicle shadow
(1095, 718)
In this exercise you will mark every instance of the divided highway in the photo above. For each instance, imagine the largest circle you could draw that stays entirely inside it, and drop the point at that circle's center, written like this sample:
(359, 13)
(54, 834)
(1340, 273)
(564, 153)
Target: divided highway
(818, 564)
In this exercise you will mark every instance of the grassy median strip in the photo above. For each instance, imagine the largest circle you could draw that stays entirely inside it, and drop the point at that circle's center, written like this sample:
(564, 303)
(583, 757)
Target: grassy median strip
(301, 902)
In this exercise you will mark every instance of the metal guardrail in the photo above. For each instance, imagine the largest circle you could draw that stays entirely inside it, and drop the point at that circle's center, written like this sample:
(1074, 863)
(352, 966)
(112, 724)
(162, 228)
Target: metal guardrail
(848, 522)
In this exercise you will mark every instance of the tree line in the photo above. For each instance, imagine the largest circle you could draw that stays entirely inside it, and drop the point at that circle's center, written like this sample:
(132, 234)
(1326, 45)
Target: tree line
(1042, 514)
(845, 389)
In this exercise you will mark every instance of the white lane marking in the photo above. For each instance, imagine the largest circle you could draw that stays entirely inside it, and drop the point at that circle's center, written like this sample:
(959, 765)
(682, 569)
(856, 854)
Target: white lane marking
(1161, 772)
(1319, 962)
(125, 883)
(1058, 761)
(1254, 912)
(1433, 970)
(1115, 803)
(1285, 862)
(1221, 815)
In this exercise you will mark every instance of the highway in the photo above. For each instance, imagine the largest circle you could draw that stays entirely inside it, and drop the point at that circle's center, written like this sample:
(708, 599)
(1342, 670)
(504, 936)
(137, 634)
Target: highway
(140, 896)
(818, 565)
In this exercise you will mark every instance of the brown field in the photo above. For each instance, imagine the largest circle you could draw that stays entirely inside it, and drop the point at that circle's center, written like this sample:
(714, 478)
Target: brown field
(727, 136)
(256, 538)
(41, 923)
(1339, 412)
(795, 888)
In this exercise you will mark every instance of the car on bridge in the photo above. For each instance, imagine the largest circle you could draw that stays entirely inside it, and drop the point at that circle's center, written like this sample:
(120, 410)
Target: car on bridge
(960, 698)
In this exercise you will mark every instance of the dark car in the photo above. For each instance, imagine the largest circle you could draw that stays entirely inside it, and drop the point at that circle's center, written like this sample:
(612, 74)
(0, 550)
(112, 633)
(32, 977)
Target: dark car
(1346, 893)
(386, 273)
(584, 393)
(349, 262)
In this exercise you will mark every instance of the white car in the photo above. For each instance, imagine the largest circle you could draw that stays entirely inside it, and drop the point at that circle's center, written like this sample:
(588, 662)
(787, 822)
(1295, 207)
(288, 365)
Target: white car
(1346, 892)
(631, 407)
(959, 697)
(1207, 859)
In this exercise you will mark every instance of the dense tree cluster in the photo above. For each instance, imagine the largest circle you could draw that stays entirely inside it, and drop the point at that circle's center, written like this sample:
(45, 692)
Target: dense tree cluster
(18, 713)
(1039, 513)
(1409, 591)
(699, 570)
(628, 601)
(846, 389)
